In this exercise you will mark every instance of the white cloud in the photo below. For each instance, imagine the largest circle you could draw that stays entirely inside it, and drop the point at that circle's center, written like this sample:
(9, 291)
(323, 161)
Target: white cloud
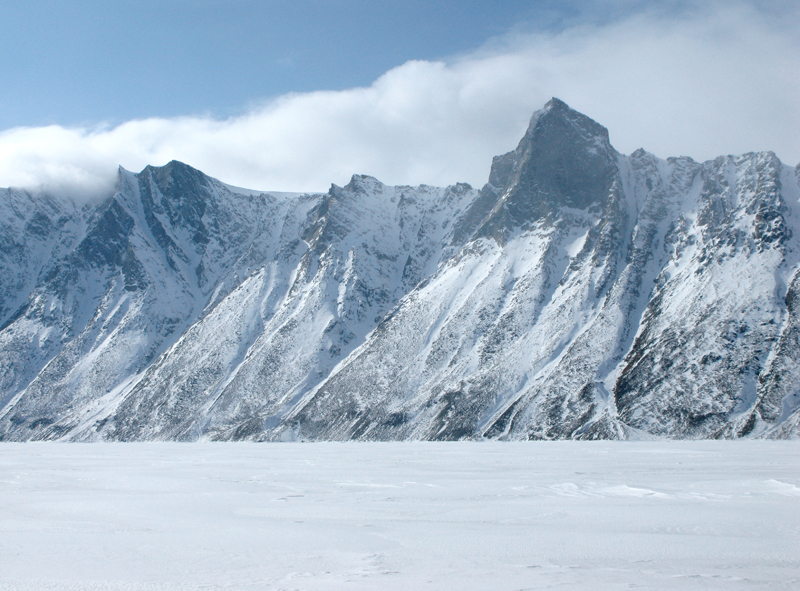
(710, 81)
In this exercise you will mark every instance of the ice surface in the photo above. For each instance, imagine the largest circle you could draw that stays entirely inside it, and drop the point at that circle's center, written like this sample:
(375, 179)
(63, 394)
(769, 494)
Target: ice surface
(466, 516)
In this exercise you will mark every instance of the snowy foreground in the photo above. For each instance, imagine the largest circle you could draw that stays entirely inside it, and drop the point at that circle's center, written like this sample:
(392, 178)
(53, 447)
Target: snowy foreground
(466, 516)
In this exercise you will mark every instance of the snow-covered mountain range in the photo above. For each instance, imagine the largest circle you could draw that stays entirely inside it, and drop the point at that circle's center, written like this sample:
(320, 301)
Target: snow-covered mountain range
(581, 293)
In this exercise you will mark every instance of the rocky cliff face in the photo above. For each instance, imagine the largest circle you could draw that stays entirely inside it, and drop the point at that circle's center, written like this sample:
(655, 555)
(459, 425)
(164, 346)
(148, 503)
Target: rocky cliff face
(580, 294)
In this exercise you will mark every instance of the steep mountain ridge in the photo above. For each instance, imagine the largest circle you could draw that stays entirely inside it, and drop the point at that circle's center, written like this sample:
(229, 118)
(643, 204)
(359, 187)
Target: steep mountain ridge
(581, 294)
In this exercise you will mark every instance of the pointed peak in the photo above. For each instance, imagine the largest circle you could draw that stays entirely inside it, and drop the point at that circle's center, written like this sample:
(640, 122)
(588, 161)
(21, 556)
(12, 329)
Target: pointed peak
(555, 107)
(175, 174)
(171, 168)
(564, 160)
(556, 133)
(555, 103)
(122, 175)
(362, 183)
(558, 113)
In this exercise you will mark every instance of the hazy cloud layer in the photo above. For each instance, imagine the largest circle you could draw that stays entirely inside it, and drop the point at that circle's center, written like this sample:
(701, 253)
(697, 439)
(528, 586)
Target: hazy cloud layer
(709, 81)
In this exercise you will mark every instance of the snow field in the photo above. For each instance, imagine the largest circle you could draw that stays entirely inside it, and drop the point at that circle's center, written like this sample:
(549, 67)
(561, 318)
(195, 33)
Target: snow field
(466, 516)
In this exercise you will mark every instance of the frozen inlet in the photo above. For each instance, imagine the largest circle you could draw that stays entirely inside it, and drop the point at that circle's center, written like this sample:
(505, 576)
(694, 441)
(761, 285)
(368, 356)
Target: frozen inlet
(465, 515)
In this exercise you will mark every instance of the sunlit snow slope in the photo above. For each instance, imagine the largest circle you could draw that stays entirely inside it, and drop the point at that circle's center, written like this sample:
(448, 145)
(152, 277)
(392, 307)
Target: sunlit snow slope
(581, 293)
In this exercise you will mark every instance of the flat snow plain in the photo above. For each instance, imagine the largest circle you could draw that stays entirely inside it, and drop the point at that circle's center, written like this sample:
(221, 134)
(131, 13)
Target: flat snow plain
(466, 516)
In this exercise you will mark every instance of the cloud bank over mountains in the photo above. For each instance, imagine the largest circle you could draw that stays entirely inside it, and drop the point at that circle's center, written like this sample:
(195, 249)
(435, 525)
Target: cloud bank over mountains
(709, 80)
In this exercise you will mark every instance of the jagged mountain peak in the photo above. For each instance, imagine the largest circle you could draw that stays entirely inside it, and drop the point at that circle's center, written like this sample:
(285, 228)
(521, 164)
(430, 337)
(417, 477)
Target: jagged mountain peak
(581, 294)
(177, 181)
(563, 160)
(558, 110)
(361, 183)
(173, 171)
(562, 156)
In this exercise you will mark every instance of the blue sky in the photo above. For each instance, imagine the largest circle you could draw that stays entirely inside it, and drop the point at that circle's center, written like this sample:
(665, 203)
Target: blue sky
(80, 62)
(295, 95)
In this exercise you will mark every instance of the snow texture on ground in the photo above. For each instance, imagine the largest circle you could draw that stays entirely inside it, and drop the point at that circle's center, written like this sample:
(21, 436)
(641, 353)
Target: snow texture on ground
(466, 516)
